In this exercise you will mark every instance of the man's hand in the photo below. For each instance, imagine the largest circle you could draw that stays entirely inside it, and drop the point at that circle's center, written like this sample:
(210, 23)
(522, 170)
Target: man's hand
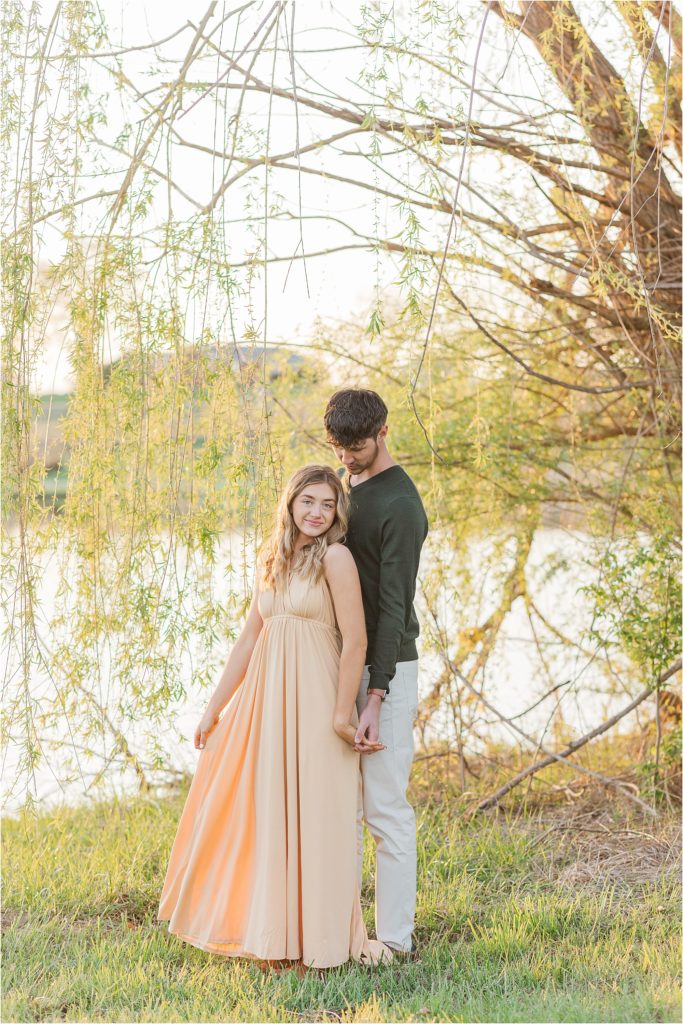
(368, 723)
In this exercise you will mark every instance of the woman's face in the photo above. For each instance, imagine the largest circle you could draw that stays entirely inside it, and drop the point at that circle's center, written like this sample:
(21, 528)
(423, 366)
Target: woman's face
(313, 510)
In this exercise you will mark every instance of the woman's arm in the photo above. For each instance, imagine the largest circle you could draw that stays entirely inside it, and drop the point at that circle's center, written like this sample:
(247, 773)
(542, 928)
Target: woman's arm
(342, 576)
(238, 659)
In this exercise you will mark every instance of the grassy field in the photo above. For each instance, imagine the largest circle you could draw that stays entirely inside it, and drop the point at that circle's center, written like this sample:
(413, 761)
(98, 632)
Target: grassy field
(556, 912)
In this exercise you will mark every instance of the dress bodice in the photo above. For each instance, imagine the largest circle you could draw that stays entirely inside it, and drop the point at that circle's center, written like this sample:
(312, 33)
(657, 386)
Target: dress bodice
(300, 599)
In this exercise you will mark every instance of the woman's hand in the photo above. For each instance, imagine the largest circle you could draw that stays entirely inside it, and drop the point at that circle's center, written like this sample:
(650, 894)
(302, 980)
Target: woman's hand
(204, 728)
(347, 732)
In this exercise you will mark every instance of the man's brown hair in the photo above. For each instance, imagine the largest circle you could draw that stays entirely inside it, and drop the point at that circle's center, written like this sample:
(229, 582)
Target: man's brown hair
(353, 415)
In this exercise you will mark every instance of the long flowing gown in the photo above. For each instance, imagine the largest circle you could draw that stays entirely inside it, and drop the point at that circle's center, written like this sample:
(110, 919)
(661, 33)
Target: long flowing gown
(263, 863)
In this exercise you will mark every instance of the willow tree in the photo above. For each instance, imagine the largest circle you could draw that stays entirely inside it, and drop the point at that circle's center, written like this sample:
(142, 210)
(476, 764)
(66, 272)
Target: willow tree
(115, 599)
(537, 241)
(527, 211)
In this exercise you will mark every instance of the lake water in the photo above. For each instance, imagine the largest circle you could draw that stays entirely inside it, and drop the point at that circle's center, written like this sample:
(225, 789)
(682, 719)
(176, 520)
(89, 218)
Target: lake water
(516, 675)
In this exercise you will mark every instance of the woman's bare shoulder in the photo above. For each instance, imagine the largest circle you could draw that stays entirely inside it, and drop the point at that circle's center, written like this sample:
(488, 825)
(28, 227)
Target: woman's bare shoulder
(338, 558)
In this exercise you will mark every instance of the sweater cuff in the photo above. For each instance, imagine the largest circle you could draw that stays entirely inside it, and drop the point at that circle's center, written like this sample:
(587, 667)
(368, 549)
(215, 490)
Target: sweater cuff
(380, 680)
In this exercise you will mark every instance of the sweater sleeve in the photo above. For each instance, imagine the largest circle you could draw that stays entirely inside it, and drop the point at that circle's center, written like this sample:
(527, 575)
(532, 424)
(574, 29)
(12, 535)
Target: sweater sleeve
(403, 533)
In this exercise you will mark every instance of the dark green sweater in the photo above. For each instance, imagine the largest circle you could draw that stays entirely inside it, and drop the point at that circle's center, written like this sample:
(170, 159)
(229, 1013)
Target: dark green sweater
(387, 528)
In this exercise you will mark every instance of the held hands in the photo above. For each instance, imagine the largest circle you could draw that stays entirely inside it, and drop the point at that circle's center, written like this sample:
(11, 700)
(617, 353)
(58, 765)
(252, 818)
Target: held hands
(348, 733)
(364, 738)
(367, 734)
(204, 728)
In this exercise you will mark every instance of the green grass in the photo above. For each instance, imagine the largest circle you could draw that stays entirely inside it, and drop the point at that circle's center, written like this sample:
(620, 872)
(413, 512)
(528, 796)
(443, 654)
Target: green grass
(511, 927)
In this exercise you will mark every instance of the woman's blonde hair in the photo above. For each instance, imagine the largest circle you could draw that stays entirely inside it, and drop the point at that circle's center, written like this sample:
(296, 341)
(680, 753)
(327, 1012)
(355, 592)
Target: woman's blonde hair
(277, 550)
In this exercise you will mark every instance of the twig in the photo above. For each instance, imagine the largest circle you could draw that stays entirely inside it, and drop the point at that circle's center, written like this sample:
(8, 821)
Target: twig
(495, 797)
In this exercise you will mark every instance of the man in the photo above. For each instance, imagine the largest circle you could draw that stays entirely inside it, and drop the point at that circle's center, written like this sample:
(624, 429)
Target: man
(387, 528)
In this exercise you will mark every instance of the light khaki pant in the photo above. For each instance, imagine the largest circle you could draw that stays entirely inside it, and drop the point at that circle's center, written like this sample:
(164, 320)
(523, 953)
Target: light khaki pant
(384, 807)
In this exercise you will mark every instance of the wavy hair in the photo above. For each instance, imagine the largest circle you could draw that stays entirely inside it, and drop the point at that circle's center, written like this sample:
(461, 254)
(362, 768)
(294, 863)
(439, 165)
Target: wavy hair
(277, 550)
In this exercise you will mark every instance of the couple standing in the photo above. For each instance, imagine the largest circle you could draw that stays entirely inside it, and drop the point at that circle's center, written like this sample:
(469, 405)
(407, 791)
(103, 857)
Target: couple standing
(321, 688)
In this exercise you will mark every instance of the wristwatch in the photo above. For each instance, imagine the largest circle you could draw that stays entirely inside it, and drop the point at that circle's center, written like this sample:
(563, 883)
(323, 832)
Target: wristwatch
(382, 693)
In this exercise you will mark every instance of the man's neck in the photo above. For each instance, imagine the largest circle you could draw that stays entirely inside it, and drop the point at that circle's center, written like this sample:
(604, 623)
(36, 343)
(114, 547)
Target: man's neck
(382, 462)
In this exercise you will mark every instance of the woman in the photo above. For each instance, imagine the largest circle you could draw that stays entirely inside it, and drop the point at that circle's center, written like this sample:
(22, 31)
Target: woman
(264, 860)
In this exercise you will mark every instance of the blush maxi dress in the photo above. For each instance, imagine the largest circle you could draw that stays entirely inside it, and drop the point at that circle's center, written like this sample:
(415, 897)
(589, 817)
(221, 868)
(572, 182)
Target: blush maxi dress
(263, 864)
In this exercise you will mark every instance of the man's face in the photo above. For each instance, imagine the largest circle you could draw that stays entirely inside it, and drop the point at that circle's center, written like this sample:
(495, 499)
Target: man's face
(361, 456)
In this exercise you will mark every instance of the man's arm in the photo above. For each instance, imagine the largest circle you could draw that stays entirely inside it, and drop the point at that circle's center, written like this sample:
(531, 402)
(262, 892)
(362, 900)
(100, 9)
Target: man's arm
(402, 537)
(403, 534)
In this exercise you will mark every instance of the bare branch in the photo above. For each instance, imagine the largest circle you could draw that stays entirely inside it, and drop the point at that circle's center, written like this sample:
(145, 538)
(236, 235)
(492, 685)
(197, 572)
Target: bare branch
(575, 745)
